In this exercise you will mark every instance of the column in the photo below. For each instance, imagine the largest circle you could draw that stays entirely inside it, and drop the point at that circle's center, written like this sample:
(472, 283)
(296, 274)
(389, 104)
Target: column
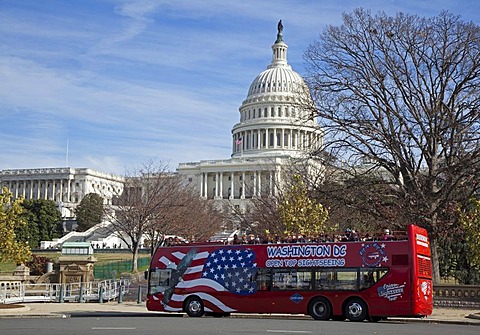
(216, 185)
(53, 190)
(259, 138)
(205, 188)
(274, 138)
(270, 191)
(68, 189)
(232, 188)
(221, 185)
(254, 183)
(61, 190)
(267, 139)
(259, 183)
(242, 196)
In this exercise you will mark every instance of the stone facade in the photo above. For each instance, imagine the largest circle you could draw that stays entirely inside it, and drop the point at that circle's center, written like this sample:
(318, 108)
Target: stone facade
(65, 186)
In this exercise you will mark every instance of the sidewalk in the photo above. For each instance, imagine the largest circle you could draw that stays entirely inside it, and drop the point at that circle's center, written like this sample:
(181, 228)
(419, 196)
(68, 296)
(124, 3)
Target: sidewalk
(131, 309)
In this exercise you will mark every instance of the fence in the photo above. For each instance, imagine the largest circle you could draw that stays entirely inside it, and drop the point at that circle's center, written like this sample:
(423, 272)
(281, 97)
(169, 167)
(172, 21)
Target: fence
(72, 292)
(113, 269)
(457, 296)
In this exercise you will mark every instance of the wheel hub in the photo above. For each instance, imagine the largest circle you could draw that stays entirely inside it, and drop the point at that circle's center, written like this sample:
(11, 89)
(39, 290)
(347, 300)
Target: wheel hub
(355, 309)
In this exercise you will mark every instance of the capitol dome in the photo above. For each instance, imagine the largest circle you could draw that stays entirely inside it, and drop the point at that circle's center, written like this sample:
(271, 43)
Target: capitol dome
(275, 117)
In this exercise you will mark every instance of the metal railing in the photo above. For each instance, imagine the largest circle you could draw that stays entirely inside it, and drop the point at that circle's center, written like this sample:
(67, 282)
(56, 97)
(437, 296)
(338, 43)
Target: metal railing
(100, 291)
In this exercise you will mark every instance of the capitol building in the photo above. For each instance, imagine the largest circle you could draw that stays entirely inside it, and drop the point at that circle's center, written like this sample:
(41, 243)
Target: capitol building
(65, 186)
(275, 131)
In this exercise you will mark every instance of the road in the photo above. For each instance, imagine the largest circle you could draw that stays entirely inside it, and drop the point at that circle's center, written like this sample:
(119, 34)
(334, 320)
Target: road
(185, 326)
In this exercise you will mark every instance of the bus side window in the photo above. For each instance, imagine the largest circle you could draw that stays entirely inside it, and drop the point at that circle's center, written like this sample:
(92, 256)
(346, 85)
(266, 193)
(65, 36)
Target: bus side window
(159, 280)
(264, 280)
(324, 280)
(370, 277)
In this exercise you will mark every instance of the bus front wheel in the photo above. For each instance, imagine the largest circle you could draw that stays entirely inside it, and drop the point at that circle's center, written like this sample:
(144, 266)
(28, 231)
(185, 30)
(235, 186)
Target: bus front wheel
(194, 307)
(355, 310)
(320, 309)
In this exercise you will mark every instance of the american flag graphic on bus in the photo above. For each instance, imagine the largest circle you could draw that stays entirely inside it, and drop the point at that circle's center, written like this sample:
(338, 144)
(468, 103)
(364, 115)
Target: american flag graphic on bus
(229, 270)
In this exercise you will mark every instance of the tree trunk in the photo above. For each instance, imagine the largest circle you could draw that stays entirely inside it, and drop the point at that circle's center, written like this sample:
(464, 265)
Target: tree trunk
(135, 257)
(435, 262)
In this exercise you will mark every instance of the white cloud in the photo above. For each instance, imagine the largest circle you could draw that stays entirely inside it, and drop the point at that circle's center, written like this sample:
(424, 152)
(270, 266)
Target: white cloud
(125, 82)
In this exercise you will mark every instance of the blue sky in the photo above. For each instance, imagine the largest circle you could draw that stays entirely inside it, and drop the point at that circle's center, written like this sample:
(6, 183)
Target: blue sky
(121, 83)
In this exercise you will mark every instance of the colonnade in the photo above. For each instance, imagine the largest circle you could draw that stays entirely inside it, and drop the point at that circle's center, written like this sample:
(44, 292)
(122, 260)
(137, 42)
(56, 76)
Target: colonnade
(273, 138)
(238, 184)
(65, 190)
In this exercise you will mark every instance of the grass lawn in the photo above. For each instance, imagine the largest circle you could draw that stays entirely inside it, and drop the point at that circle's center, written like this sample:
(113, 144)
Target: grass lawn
(7, 268)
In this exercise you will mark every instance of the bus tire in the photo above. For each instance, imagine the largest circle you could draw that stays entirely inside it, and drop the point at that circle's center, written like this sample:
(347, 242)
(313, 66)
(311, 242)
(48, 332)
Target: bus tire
(355, 310)
(194, 307)
(320, 308)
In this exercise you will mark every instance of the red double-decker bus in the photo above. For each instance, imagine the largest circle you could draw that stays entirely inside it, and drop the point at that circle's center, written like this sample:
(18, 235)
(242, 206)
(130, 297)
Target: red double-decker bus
(342, 280)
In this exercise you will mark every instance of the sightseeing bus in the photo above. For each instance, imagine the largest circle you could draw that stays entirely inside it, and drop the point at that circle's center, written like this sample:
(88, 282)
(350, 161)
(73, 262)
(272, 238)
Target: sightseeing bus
(359, 280)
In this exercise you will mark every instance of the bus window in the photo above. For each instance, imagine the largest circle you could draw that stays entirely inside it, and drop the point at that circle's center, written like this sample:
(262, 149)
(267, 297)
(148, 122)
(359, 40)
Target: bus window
(292, 279)
(336, 279)
(159, 280)
(304, 279)
(264, 280)
(370, 277)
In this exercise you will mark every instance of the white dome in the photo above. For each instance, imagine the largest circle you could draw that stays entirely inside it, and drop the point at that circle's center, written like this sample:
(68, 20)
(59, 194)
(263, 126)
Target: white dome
(274, 118)
(276, 80)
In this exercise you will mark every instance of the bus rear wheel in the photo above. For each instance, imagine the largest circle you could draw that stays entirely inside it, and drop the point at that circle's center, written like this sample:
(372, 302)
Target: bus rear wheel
(194, 307)
(320, 309)
(355, 310)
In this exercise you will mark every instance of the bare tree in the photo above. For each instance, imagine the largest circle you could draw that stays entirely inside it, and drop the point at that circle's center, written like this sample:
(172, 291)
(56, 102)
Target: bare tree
(156, 202)
(146, 192)
(402, 93)
(187, 216)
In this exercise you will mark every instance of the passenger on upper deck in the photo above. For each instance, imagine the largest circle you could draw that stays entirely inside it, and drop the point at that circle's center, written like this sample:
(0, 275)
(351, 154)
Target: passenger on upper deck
(387, 236)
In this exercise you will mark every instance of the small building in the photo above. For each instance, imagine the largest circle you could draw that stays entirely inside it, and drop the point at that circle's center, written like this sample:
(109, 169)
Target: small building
(76, 262)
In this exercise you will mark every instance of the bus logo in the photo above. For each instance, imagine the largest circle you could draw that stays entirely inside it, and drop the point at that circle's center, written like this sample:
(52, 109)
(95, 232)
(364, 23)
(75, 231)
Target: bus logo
(373, 254)
(391, 291)
(296, 298)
